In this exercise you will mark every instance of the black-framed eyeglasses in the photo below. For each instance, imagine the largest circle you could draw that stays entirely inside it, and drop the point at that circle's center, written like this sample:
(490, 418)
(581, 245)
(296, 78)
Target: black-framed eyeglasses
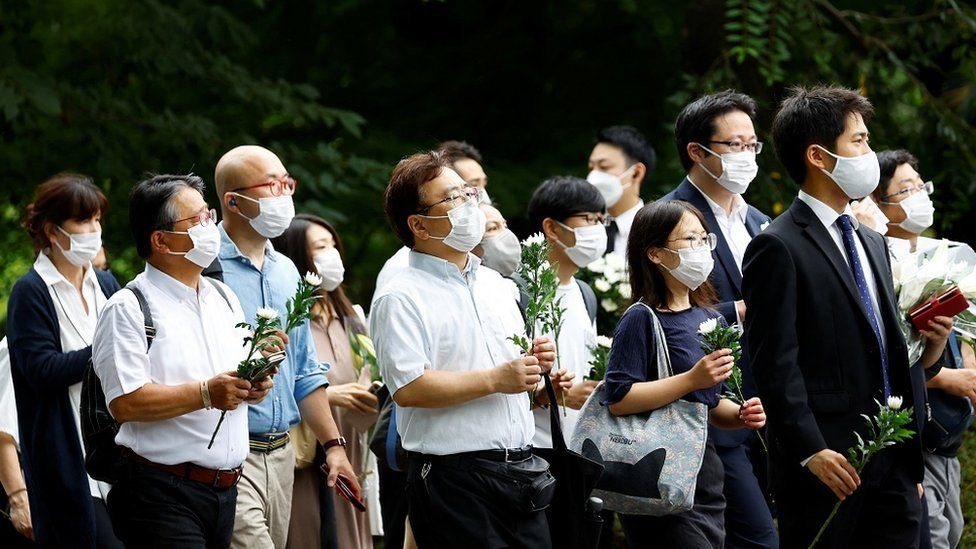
(457, 198)
(593, 219)
(928, 187)
(739, 146)
(699, 241)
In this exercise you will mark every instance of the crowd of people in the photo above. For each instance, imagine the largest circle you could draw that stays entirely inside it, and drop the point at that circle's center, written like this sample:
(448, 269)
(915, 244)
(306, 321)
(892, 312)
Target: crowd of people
(443, 448)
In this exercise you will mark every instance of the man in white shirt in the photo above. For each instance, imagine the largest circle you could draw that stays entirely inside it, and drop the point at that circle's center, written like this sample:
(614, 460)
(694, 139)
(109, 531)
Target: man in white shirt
(174, 490)
(570, 213)
(461, 386)
(620, 161)
(717, 145)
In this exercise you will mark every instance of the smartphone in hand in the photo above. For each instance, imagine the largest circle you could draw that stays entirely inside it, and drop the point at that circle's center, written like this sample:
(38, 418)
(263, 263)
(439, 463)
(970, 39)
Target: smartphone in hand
(344, 490)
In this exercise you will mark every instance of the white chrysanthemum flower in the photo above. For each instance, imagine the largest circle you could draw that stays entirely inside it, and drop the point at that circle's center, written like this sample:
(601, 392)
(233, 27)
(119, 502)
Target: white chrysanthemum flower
(609, 305)
(604, 341)
(895, 402)
(537, 238)
(708, 326)
(313, 279)
(616, 262)
(625, 291)
(601, 285)
(267, 313)
(612, 276)
(597, 266)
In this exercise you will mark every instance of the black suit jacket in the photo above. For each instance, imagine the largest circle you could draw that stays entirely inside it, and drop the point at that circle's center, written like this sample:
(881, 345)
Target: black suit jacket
(814, 355)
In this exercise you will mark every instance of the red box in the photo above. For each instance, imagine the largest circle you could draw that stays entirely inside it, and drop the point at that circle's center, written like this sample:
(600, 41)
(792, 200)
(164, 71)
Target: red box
(949, 303)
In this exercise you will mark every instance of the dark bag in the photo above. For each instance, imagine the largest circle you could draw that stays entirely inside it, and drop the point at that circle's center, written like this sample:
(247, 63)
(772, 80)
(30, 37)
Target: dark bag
(385, 440)
(949, 415)
(576, 476)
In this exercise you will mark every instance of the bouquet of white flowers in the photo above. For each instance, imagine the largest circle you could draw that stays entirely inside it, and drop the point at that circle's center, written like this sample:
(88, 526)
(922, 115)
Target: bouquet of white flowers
(609, 279)
(925, 274)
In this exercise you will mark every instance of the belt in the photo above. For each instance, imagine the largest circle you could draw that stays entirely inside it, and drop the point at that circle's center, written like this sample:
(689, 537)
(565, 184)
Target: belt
(265, 444)
(218, 478)
(507, 455)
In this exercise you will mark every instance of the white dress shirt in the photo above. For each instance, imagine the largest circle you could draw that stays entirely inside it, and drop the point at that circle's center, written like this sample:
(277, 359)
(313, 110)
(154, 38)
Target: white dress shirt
(196, 339)
(828, 217)
(77, 329)
(8, 402)
(578, 334)
(393, 266)
(732, 226)
(624, 222)
(435, 317)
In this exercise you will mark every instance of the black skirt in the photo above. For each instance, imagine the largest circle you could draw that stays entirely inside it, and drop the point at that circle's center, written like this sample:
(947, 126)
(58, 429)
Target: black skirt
(701, 527)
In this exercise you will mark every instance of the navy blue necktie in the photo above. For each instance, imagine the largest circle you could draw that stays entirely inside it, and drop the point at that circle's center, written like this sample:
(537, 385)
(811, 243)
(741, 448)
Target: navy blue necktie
(612, 232)
(862, 289)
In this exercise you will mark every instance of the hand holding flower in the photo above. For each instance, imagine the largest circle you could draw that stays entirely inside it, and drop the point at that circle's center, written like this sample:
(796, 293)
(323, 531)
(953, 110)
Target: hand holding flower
(579, 392)
(227, 391)
(260, 388)
(544, 349)
(752, 415)
(712, 369)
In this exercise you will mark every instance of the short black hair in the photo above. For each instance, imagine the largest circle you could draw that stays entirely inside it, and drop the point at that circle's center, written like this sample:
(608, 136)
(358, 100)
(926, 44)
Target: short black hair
(696, 121)
(813, 116)
(404, 193)
(151, 208)
(562, 196)
(453, 151)
(889, 161)
(635, 146)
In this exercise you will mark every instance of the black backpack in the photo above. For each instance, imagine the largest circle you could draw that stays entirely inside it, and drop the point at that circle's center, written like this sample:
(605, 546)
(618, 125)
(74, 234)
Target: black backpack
(98, 427)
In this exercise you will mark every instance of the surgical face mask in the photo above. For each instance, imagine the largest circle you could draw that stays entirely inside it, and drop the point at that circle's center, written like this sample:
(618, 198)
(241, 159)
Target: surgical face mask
(206, 244)
(738, 170)
(919, 212)
(857, 176)
(467, 226)
(275, 216)
(83, 247)
(328, 263)
(591, 243)
(503, 252)
(694, 266)
(611, 186)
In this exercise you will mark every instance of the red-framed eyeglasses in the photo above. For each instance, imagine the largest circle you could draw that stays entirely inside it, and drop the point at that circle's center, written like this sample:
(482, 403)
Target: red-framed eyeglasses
(279, 186)
(204, 218)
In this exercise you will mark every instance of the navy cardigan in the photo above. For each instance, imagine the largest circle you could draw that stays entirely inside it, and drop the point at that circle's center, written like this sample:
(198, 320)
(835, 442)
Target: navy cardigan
(51, 454)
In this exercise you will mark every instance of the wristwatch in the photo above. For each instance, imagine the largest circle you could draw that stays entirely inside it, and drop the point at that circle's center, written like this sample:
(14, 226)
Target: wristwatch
(341, 441)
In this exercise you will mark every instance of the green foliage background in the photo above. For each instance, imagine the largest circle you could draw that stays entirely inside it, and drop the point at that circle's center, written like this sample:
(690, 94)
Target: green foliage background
(342, 89)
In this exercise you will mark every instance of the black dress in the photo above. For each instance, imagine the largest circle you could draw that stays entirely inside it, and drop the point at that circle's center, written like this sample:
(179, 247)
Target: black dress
(632, 361)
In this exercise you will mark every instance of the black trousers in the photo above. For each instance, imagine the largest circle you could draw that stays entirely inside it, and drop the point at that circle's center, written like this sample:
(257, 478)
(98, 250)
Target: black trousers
(150, 508)
(393, 504)
(462, 505)
(884, 512)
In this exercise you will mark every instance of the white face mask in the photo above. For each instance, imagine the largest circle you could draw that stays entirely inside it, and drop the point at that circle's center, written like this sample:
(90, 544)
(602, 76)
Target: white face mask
(611, 186)
(329, 265)
(83, 247)
(857, 176)
(694, 266)
(275, 215)
(206, 244)
(738, 170)
(503, 252)
(467, 226)
(591, 243)
(919, 212)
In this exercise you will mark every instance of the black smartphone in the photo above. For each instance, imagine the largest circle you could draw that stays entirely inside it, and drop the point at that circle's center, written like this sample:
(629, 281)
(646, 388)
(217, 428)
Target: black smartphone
(342, 486)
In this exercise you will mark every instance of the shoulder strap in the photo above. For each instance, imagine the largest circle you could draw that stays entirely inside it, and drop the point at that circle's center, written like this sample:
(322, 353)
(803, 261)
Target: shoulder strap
(589, 299)
(663, 358)
(523, 301)
(222, 293)
(147, 319)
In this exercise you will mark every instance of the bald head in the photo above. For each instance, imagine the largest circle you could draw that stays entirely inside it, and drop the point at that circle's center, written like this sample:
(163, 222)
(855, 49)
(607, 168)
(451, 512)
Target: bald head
(246, 165)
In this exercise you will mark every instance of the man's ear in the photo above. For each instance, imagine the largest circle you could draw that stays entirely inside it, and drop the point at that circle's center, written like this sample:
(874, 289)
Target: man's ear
(550, 229)
(638, 173)
(156, 243)
(695, 152)
(816, 157)
(416, 225)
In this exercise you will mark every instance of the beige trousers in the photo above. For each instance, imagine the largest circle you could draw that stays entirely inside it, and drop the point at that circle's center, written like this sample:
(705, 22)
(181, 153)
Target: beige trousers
(264, 500)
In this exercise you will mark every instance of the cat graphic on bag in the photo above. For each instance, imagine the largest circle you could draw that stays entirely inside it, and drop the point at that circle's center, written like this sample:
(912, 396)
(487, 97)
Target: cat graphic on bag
(630, 479)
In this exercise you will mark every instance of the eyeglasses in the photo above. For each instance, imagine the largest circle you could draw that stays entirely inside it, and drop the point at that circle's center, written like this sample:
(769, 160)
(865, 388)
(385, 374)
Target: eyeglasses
(928, 187)
(457, 198)
(593, 219)
(699, 241)
(739, 146)
(285, 185)
(204, 218)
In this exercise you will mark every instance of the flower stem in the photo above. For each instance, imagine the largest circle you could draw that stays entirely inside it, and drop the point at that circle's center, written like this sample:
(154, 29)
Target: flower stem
(826, 523)
(214, 435)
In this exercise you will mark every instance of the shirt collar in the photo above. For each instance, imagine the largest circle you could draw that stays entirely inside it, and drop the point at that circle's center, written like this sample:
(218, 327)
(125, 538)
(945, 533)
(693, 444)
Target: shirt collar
(50, 274)
(174, 288)
(229, 250)
(825, 213)
(626, 219)
(441, 267)
(739, 208)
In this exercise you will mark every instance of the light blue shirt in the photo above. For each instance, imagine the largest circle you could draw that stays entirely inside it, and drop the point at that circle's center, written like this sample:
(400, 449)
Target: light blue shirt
(300, 373)
(432, 316)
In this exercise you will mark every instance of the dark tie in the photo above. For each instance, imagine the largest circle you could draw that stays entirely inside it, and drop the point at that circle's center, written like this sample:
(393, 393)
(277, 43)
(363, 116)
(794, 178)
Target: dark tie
(862, 289)
(612, 232)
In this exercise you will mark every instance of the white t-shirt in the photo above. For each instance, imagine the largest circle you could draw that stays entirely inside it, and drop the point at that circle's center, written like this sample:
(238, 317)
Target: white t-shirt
(577, 336)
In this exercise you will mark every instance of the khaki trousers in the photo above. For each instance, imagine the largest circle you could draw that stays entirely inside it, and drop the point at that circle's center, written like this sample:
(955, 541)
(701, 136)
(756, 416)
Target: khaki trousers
(264, 500)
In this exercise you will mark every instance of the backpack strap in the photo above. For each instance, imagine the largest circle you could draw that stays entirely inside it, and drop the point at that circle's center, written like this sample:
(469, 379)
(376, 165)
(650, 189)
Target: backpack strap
(523, 301)
(589, 298)
(222, 293)
(147, 319)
